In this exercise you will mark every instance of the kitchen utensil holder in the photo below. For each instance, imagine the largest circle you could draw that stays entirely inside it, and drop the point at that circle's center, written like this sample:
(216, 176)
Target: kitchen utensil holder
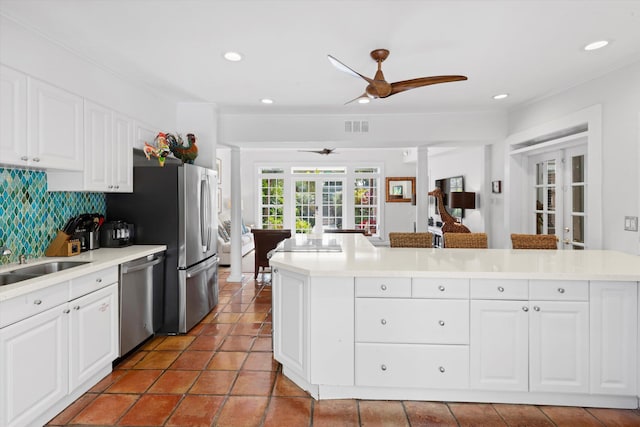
(63, 246)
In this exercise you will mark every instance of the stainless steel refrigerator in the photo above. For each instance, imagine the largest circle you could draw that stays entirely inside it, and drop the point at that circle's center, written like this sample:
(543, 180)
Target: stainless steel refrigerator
(175, 205)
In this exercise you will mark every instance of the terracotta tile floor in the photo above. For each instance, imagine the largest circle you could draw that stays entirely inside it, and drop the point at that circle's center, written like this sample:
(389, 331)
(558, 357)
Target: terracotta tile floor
(223, 374)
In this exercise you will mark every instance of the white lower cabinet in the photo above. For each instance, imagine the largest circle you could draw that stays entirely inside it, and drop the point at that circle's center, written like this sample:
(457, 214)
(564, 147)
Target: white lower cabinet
(52, 354)
(35, 366)
(499, 345)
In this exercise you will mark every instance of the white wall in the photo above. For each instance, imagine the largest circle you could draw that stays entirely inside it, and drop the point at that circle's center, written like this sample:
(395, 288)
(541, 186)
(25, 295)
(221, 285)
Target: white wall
(200, 119)
(471, 163)
(34, 55)
(619, 94)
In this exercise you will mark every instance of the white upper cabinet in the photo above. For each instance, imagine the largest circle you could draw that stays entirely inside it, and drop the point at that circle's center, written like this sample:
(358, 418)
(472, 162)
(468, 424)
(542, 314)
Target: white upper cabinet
(54, 127)
(40, 124)
(108, 159)
(13, 117)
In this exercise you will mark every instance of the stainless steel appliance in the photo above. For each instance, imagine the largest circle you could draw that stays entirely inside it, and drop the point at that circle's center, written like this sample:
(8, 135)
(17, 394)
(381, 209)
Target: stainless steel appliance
(140, 280)
(175, 205)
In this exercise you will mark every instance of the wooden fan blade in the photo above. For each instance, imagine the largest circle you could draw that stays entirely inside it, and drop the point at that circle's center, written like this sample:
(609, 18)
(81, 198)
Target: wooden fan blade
(364, 95)
(422, 81)
(340, 66)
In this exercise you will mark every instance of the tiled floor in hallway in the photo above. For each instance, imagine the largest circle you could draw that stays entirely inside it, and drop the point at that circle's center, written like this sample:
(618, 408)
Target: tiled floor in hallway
(223, 374)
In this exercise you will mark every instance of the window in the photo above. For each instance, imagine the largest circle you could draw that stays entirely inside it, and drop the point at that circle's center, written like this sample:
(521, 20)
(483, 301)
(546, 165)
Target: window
(298, 198)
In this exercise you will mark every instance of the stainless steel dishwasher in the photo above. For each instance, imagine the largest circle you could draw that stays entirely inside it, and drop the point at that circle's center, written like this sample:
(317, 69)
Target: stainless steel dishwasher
(141, 285)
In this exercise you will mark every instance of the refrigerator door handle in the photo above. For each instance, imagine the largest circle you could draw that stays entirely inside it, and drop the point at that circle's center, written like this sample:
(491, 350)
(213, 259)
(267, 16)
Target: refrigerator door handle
(210, 213)
(194, 271)
(203, 212)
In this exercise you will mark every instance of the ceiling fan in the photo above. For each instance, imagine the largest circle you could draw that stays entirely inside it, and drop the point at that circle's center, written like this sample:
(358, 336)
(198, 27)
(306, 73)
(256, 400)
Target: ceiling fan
(324, 151)
(378, 87)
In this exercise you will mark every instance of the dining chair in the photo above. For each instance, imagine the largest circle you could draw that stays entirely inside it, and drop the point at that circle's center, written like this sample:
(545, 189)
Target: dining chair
(465, 240)
(410, 240)
(265, 241)
(534, 241)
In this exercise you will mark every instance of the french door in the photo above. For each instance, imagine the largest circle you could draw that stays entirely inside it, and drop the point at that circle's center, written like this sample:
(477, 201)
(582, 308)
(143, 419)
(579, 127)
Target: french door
(558, 195)
(318, 199)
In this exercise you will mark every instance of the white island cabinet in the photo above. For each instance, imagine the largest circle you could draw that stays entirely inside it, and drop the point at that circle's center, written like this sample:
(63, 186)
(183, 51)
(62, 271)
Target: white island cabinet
(534, 327)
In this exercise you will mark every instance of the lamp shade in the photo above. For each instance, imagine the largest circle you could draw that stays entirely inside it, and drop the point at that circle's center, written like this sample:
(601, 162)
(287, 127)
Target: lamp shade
(463, 199)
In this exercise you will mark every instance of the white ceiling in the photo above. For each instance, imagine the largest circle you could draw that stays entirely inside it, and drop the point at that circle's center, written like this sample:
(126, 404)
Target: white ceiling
(529, 49)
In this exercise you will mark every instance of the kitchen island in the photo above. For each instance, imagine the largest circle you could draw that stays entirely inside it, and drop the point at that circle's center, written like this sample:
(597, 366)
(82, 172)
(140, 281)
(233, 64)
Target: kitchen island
(526, 326)
(59, 332)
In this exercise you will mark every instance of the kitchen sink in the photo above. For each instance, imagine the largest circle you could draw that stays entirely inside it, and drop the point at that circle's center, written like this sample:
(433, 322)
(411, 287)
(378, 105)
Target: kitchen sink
(37, 270)
(48, 267)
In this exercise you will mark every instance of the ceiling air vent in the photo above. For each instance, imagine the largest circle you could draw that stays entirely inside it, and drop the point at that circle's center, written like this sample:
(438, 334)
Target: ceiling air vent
(356, 126)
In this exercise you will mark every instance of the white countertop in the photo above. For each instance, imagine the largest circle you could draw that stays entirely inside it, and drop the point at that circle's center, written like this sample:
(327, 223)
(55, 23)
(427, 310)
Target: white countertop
(360, 258)
(98, 259)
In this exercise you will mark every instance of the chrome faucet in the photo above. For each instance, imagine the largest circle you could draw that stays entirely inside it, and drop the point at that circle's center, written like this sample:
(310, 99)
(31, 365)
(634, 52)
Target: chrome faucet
(5, 251)
(22, 259)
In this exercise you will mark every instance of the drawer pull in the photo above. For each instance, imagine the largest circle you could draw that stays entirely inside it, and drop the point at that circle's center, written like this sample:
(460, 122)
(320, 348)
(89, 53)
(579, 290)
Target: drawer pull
(536, 308)
(77, 307)
(561, 290)
(383, 321)
(500, 289)
(37, 302)
(441, 369)
(66, 311)
(24, 158)
(383, 367)
(441, 288)
(525, 308)
(383, 287)
(441, 323)
(99, 280)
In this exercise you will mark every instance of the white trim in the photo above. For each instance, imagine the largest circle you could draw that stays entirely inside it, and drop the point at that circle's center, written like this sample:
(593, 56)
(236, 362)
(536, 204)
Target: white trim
(516, 172)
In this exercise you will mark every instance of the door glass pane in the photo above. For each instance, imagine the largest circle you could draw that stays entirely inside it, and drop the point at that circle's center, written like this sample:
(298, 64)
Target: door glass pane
(305, 206)
(365, 201)
(539, 173)
(577, 169)
(551, 198)
(578, 198)
(578, 229)
(332, 204)
(551, 224)
(551, 172)
(539, 199)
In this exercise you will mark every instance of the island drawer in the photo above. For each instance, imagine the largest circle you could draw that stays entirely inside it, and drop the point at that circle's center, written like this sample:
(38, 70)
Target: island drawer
(559, 290)
(499, 289)
(24, 306)
(88, 283)
(384, 287)
(412, 321)
(440, 288)
(412, 365)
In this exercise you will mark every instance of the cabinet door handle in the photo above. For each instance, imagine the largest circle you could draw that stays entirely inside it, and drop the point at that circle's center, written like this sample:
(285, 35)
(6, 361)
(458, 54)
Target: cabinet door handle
(36, 159)
(561, 290)
(383, 321)
(383, 287)
(24, 158)
(536, 308)
(99, 280)
(500, 289)
(275, 270)
(441, 288)
(77, 307)
(66, 311)
(441, 369)
(441, 323)
(383, 367)
(525, 308)
(37, 302)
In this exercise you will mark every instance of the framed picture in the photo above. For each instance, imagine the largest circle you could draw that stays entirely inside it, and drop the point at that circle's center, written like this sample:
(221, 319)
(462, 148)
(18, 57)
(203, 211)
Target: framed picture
(219, 200)
(400, 189)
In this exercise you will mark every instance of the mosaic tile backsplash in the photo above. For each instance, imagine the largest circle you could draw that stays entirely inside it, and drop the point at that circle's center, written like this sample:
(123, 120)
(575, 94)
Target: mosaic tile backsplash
(30, 216)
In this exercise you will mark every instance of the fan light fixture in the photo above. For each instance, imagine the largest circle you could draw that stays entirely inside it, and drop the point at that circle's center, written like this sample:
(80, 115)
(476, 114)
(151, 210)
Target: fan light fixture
(501, 96)
(596, 45)
(364, 101)
(233, 56)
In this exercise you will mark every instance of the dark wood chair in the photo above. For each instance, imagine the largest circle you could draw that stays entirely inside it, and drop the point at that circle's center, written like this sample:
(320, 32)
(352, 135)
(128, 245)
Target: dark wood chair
(265, 241)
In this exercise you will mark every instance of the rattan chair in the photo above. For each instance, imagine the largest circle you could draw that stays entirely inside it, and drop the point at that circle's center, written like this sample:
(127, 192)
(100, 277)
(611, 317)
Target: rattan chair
(534, 241)
(465, 240)
(410, 240)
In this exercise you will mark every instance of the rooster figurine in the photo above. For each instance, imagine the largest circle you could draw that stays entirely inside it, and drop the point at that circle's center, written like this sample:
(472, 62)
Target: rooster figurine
(161, 150)
(186, 153)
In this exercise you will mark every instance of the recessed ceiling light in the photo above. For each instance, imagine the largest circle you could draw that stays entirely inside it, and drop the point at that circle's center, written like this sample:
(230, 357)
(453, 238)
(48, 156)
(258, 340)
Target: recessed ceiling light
(501, 96)
(596, 45)
(363, 101)
(266, 101)
(233, 56)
